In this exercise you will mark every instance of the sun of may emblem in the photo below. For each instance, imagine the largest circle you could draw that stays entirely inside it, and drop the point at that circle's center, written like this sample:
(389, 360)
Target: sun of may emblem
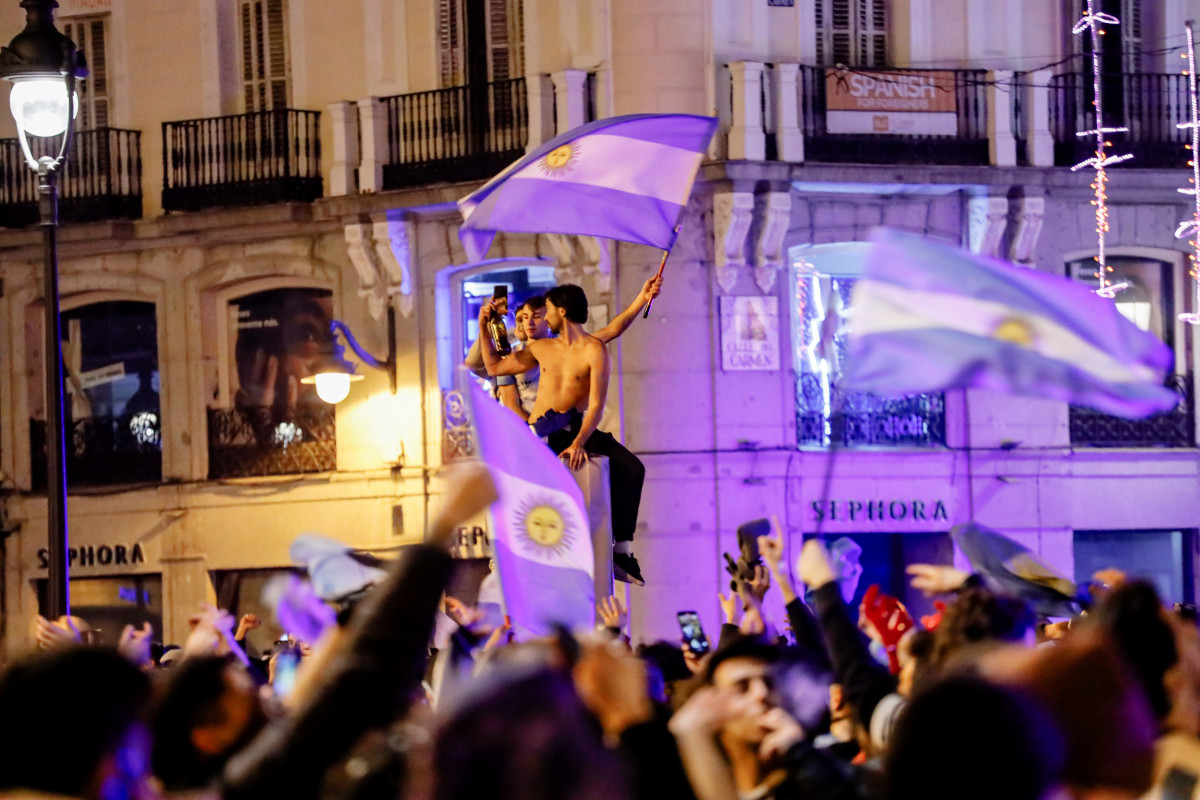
(1015, 330)
(540, 522)
(560, 159)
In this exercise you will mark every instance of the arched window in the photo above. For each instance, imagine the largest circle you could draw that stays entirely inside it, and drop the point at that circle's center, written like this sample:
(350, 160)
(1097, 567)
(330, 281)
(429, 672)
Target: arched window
(111, 404)
(276, 424)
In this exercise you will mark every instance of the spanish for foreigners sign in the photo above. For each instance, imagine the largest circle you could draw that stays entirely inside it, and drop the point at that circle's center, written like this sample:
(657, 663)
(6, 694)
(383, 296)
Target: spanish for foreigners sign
(903, 102)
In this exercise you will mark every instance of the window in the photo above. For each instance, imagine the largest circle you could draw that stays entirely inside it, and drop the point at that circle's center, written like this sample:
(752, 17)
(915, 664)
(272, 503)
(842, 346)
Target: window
(1147, 300)
(277, 425)
(824, 280)
(90, 35)
(108, 604)
(884, 558)
(852, 32)
(503, 52)
(110, 396)
(1162, 557)
(266, 64)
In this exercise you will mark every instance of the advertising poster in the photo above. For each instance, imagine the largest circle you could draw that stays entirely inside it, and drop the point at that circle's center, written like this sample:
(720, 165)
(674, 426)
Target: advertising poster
(896, 102)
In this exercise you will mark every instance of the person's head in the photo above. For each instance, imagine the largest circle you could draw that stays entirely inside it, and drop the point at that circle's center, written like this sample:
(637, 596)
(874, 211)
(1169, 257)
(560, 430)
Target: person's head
(73, 724)
(1134, 616)
(980, 618)
(747, 667)
(565, 303)
(522, 734)
(965, 737)
(206, 711)
(531, 319)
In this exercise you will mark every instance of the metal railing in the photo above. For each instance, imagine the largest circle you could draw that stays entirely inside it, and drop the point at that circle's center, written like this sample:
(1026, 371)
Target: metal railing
(240, 160)
(102, 181)
(1175, 428)
(1149, 104)
(866, 420)
(103, 451)
(454, 134)
(968, 146)
(252, 442)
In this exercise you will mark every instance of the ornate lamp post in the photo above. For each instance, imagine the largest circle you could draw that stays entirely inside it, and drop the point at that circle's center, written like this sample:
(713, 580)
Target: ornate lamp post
(43, 66)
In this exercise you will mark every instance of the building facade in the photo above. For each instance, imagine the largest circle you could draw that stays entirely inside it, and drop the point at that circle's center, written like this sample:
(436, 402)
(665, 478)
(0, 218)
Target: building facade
(287, 162)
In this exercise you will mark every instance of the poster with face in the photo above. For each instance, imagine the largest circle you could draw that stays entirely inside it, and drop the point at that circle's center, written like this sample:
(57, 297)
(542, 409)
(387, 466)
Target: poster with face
(279, 336)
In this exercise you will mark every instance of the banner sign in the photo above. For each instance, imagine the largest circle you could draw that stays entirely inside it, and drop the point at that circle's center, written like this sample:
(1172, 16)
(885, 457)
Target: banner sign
(923, 102)
(749, 333)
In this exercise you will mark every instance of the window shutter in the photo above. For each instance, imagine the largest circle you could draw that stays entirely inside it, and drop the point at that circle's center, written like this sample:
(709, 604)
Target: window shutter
(266, 67)
(851, 32)
(90, 35)
(451, 58)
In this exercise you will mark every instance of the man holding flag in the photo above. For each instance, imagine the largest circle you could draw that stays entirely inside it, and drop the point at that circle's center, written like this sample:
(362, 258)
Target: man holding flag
(572, 390)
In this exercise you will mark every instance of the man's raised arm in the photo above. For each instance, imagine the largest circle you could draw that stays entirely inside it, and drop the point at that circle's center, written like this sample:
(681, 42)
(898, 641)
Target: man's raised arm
(598, 366)
(622, 321)
(514, 363)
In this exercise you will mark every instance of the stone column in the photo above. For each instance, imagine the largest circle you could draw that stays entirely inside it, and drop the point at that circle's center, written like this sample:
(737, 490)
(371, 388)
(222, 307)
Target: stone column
(539, 93)
(372, 120)
(1039, 142)
(789, 135)
(345, 148)
(747, 139)
(570, 94)
(1002, 143)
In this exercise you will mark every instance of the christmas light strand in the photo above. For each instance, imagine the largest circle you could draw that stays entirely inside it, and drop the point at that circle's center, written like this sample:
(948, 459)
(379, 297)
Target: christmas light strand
(1190, 228)
(1093, 22)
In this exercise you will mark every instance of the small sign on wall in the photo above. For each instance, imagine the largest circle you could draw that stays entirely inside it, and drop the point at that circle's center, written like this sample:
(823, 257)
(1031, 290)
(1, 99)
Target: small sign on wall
(781, 3)
(749, 333)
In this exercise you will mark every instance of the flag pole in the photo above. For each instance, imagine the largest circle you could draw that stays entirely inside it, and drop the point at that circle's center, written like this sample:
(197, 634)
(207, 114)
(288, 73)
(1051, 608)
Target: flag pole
(661, 265)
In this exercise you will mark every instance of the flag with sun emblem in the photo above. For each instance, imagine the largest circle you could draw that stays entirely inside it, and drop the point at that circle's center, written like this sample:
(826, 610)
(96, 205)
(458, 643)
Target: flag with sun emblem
(625, 178)
(541, 540)
(927, 317)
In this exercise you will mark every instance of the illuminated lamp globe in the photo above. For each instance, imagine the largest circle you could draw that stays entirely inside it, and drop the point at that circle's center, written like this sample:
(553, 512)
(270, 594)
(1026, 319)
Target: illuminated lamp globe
(333, 381)
(39, 105)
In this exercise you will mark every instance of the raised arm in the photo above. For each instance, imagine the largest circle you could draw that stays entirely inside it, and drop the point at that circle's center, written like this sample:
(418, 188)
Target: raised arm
(598, 365)
(622, 321)
(514, 363)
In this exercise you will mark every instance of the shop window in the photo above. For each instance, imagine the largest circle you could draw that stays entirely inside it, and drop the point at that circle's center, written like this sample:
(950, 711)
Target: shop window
(1147, 300)
(884, 558)
(276, 425)
(111, 407)
(241, 591)
(824, 280)
(1162, 557)
(108, 604)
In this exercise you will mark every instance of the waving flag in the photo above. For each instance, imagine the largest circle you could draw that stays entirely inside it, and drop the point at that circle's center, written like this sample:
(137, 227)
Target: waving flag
(929, 317)
(624, 178)
(541, 540)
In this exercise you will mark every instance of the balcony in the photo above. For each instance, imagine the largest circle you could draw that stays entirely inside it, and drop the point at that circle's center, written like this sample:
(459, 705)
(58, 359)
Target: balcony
(103, 179)
(1175, 428)
(454, 134)
(103, 451)
(828, 126)
(857, 419)
(241, 160)
(251, 442)
(1149, 104)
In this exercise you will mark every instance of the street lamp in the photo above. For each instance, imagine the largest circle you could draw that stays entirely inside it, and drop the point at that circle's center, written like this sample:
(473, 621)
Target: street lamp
(335, 375)
(43, 66)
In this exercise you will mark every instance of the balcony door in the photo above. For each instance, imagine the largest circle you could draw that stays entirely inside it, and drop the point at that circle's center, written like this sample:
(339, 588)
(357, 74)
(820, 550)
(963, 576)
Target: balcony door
(852, 32)
(91, 35)
(480, 41)
(266, 67)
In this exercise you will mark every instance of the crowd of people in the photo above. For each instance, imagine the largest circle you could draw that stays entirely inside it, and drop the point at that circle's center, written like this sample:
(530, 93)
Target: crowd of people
(983, 699)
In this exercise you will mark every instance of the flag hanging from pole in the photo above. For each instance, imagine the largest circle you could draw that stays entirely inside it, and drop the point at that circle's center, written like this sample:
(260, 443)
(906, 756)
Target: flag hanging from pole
(625, 178)
(928, 317)
(541, 540)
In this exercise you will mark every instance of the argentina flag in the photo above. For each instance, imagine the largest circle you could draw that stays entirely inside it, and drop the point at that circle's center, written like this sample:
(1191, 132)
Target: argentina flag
(541, 540)
(625, 178)
(928, 317)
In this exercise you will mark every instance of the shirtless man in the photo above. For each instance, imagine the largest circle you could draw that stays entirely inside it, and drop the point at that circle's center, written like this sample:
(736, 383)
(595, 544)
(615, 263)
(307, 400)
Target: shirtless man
(572, 389)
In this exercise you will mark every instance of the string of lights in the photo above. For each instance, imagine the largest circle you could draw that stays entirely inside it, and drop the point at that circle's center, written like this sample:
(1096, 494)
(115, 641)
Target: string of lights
(1190, 228)
(1093, 22)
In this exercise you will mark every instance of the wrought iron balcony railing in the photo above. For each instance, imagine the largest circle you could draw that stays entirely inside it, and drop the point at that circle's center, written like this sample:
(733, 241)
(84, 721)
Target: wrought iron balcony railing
(254, 442)
(241, 160)
(968, 145)
(103, 179)
(1149, 104)
(1175, 428)
(456, 134)
(865, 420)
(102, 451)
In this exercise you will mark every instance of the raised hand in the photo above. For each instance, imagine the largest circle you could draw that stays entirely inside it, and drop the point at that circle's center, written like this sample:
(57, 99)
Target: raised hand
(759, 584)
(247, 623)
(59, 633)
(729, 606)
(933, 579)
(650, 289)
(134, 644)
(813, 566)
(782, 732)
(771, 549)
(612, 612)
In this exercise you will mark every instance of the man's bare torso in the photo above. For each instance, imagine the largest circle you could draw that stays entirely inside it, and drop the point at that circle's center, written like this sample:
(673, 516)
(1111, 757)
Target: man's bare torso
(565, 380)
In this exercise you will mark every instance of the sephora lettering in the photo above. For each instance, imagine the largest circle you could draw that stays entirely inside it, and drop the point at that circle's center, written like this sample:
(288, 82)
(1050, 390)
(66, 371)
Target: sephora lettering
(878, 510)
(101, 556)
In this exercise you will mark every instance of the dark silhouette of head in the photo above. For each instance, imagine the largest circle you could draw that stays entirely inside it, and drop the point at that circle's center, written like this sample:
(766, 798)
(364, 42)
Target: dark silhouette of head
(73, 724)
(569, 301)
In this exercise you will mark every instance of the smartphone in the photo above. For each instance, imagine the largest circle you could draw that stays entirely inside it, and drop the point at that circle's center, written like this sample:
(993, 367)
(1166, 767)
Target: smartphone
(500, 291)
(693, 634)
(748, 534)
(286, 664)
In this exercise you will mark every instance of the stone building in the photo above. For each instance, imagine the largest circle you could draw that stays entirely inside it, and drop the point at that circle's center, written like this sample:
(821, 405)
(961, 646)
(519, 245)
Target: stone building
(249, 170)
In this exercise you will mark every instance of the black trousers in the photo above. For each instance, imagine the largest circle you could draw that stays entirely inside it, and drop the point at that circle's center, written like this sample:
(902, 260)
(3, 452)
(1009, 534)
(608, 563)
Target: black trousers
(626, 474)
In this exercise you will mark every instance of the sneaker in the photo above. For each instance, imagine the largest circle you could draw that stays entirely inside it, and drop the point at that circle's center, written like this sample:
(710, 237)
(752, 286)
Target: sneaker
(626, 569)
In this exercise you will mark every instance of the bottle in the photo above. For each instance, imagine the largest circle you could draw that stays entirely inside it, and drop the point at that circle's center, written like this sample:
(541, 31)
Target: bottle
(497, 331)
